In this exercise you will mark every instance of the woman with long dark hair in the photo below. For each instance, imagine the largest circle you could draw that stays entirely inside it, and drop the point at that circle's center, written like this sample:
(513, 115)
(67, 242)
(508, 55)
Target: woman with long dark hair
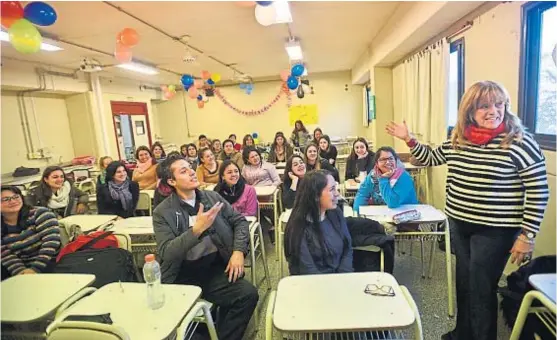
(317, 240)
(192, 157)
(228, 152)
(145, 173)
(281, 151)
(314, 162)
(360, 160)
(58, 194)
(207, 171)
(30, 236)
(234, 189)
(248, 141)
(327, 151)
(300, 136)
(317, 133)
(119, 195)
(158, 151)
(294, 172)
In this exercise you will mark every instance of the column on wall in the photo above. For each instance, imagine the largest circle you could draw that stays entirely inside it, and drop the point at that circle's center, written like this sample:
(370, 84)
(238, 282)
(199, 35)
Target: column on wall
(383, 90)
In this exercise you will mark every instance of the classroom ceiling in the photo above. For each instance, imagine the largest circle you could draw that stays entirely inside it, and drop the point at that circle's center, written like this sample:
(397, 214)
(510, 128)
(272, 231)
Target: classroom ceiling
(332, 34)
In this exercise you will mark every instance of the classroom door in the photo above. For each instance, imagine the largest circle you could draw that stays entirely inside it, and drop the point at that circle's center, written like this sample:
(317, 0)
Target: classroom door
(131, 128)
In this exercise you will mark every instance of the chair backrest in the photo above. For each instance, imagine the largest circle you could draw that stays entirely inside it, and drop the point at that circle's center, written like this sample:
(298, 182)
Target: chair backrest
(71, 330)
(124, 241)
(79, 174)
(144, 202)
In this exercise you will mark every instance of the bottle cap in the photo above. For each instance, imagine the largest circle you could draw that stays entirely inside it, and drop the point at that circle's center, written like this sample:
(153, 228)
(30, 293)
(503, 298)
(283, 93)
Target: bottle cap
(149, 258)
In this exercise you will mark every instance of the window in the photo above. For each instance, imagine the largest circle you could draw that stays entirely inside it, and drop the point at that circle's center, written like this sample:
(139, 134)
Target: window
(456, 81)
(538, 71)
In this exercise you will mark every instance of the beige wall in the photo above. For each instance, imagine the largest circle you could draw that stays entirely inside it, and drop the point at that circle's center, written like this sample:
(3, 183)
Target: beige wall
(340, 111)
(81, 122)
(53, 123)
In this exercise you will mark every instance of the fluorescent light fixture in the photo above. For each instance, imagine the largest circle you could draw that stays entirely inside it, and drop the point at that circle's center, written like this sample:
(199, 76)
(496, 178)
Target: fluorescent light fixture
(140, 68)
(282, 12)
(4, 36)
(294, 50)
(305, 71)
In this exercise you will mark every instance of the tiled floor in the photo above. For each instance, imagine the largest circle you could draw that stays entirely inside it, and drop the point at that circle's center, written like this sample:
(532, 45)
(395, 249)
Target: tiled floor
(430, 295)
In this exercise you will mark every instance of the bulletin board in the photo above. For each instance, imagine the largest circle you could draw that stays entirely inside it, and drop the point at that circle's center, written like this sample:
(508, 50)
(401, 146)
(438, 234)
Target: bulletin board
(306, 113)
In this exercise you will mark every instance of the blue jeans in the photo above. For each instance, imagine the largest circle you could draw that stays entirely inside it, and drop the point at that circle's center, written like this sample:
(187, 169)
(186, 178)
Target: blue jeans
(481, 255)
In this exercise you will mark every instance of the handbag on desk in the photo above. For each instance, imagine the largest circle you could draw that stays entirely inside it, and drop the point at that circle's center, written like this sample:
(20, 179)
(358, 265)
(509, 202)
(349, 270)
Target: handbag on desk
(403, 219)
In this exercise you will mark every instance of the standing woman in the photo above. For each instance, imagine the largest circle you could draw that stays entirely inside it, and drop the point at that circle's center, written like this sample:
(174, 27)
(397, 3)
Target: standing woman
(103, 163)
(145, 173)
(158, 152)
(360, 160)
(248, 141)
(497, 193)
(256, 171)
(192, 157)
(234, 189)
(327, 151)
(294, 171)
(58, 194)
(281, 151)
(314, 162)
(317, 133)
(30, 236)
(317, 240)
(208, 170)
(300, 136)
(216, 146)
(119, 195)
(228, 152)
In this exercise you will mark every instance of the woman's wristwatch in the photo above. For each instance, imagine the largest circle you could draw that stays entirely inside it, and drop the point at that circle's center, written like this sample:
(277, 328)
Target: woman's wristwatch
(530, 236)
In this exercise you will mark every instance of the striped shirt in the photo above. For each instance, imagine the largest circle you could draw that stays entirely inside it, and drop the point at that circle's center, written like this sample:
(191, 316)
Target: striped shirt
(492, 186)
(32, 245)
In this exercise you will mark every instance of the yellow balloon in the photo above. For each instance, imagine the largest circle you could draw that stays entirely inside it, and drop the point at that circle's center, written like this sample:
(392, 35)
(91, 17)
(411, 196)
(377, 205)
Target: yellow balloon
(256, 141)
(172, 88)
(216, 77)
(25, 37)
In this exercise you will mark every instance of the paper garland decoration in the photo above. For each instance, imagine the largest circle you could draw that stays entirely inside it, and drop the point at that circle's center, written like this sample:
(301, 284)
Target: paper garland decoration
(283, 91)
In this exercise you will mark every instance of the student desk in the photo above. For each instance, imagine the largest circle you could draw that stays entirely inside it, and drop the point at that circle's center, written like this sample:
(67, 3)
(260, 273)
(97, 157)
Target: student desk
(141, 233)
(337, 303)
(28, 298)
(127, 304)
(429, 223)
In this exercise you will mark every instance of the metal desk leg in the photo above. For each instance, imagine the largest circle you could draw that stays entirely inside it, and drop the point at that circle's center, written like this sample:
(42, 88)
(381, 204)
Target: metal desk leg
(449, 267)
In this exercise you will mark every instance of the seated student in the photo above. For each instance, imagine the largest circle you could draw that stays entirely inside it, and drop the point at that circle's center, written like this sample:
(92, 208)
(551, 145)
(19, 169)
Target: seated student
(281, 151)
(208, 169)
(388, 183)
(145, 173)
(237, 146)
(228, 152)
(317, 240)
(30, 236)
(216, 146)
(192, 156)
(103, 163)
(184, 150)
(247, 142)
(294, 171)
(314, 162)
(233, 188)
(256, 171)
(202, 241)
(317, 133)
(158, 152)
(359, 161)
(203, 142)
(163, 190)
(327, 151)
(119, 195)
(58, 194)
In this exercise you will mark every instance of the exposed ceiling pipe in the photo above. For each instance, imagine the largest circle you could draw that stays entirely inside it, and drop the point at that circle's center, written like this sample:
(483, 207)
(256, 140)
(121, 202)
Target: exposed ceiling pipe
(175, 38)
(23, 111)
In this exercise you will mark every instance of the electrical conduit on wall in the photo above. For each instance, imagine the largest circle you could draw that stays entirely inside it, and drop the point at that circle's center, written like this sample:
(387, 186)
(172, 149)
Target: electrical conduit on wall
(97, 94)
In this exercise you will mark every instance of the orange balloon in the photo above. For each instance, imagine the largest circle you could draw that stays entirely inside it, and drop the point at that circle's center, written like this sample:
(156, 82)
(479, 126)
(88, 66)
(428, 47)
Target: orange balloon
(11, 12)
(200, 104)
(128, 37)
(192, 92)
(205, 75)
(123, 53)
(246, 3)
(8, 22)
(198, 83)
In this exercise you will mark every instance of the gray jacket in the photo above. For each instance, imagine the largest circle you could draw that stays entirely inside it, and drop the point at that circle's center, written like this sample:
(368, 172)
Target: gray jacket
(229, 232)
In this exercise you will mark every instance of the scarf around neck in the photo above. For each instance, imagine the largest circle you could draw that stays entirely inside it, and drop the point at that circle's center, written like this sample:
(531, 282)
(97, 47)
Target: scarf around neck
(482, 136)
(231, 193)
(121, 192)
(142, 167)
(61, 198)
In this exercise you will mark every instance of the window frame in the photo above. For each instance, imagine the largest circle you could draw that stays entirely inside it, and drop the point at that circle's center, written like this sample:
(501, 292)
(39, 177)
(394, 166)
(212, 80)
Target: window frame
(458, 46)
(530, 55)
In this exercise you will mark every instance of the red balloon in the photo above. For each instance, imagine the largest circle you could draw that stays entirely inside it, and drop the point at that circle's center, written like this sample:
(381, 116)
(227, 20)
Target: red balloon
(123, 53)
(128, 37)
(11, 11)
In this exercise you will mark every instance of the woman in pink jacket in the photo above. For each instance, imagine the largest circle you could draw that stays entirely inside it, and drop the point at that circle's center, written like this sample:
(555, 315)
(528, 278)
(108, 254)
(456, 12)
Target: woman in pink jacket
(234, 189)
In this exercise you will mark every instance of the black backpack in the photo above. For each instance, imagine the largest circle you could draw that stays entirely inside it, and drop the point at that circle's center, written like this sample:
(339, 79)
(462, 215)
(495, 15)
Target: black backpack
(23, 171)
(517, 287)
(107, 264)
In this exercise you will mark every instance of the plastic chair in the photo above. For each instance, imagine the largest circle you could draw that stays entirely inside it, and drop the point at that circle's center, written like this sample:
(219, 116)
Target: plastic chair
(546, 313)
(88, 186)
(71, 330)
(144, 203)
(257, 249)
(200, 313)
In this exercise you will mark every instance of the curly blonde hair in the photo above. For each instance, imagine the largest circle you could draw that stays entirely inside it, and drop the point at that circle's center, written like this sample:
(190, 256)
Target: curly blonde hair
(476, 95)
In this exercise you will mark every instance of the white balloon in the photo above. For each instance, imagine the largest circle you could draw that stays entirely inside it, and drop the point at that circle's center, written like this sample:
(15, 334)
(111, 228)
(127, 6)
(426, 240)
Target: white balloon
(265, 15)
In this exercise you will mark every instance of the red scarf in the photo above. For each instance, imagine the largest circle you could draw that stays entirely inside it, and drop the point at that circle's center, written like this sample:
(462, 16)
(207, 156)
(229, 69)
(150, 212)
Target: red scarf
(482, 136)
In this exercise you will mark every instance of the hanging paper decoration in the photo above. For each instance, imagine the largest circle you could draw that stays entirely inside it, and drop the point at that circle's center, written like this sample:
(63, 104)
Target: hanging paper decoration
(283, 91)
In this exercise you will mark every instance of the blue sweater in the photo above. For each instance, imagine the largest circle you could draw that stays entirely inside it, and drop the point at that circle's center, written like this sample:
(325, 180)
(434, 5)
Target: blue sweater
(402, 193)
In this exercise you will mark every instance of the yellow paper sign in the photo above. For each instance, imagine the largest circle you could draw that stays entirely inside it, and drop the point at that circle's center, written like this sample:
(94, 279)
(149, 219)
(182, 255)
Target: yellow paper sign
(306, 113)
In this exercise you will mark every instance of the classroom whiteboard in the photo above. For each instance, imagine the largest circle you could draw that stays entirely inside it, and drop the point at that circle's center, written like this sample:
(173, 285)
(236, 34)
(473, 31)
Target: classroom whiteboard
(306, 113)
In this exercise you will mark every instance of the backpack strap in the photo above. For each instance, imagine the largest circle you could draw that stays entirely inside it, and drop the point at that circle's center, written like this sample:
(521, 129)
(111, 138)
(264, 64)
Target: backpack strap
(92, 242)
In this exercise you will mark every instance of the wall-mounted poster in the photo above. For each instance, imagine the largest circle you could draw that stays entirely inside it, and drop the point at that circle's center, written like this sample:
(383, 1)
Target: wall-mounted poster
(306, 113)
(139, 127)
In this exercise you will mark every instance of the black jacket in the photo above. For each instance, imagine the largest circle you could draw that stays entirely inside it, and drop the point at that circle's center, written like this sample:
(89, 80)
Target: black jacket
(229, 232)
(37, 198)
(325, 165)
(106, 205)
(331, 154)
(352, 169)
(366, 232)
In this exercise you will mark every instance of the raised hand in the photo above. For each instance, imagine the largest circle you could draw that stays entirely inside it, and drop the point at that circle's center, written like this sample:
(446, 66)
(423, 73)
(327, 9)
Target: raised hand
(398, 130)
(205, 219)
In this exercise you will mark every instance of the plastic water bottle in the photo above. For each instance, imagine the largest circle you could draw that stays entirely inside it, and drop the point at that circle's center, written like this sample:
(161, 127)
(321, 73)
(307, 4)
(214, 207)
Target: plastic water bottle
(152, 275)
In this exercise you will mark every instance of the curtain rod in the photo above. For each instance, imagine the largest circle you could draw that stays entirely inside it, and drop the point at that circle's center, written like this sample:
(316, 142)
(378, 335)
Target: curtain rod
(463, 29)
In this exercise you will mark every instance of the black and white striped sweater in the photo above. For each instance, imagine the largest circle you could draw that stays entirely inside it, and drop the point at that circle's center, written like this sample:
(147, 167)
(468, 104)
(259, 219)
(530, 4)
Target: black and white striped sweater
(492, 186)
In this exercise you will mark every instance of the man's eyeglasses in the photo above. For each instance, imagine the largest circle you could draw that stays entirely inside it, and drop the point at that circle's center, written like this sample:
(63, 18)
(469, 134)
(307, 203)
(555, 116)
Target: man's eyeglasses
(11, 198)
(385, 160)
(376, 290)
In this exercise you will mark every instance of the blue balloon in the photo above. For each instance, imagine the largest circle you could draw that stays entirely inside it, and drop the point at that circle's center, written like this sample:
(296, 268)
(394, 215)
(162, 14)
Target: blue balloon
(264, 3)
(292, 82)
(187, 80)
(243, 85)
(249, 86)
(210, 82)
(254, 135)
(297, 70)
(200, 97)
(40, 13)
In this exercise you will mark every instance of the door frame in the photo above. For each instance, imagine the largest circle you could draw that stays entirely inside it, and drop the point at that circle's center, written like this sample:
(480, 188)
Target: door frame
(131, 109)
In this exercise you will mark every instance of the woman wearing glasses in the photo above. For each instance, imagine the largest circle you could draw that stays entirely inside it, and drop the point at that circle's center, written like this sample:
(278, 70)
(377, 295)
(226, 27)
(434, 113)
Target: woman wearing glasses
(387, 184)
(30, 236)
(317, 240)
